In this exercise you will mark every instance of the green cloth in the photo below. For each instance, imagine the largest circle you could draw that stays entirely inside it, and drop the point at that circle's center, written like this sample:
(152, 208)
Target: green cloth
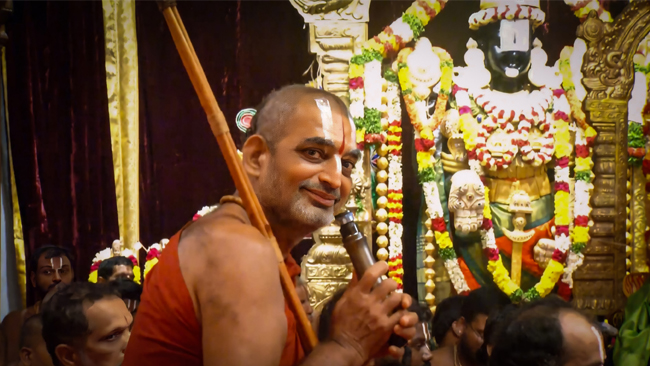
(633, 341)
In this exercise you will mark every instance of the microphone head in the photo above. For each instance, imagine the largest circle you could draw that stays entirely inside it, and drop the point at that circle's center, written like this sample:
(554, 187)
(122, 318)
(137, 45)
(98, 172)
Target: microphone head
(344, 218)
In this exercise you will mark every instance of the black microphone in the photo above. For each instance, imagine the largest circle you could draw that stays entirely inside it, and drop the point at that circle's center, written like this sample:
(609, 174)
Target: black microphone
(356, 245)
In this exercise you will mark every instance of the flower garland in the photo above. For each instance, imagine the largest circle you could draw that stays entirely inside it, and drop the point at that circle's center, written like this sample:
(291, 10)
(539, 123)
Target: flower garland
(582, 8)
(489, 15)
(395, 196)
(562, 149)
(367, 117)
(425, 147)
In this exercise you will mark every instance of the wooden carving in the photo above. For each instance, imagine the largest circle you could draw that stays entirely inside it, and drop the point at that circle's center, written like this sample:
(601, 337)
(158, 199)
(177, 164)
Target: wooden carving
(608, 72)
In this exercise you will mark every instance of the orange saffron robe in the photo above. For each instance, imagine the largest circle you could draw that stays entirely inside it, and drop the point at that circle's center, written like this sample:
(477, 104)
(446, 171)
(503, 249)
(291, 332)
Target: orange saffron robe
(166, 331)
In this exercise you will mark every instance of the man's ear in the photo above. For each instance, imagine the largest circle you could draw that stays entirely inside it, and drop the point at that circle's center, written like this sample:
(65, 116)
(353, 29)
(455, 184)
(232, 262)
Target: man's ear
(255, 155)
(460, 324)
(100, 279)
(32, 277)
(25, 356)
(65, 354)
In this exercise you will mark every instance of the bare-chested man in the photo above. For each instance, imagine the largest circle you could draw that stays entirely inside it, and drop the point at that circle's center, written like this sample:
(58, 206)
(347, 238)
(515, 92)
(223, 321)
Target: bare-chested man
(215, 296)
(48, 266)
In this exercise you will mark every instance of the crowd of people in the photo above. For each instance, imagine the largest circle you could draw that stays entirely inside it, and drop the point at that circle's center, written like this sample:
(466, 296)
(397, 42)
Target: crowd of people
(215, 297)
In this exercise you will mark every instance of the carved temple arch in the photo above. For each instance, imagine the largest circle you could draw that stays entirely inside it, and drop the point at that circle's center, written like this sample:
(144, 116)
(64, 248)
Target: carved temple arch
(608, 72)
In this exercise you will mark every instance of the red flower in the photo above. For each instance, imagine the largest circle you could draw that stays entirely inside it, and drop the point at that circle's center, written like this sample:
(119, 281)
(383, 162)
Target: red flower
(134, 260)
(564, 291)
(492, 254)
(95, 266)
(455, 89)
(558, 256)
(438, 224)
(562, 186)
(361, 145)
(153, 253)
(591, 140)
(471, 154)
(396, 122)
(423, 144)
(558, 93)
(487, 224)
(563, 162)
(196, 217)
(373, 138)
(356, 83)
(581, 220)
(582, 151)
(464, 110)
(562, 229)
(646, 165)
(561, 115)
(637, 152)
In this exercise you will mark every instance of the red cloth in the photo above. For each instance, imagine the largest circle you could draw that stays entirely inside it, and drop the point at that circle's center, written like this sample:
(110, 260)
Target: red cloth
(166, 331)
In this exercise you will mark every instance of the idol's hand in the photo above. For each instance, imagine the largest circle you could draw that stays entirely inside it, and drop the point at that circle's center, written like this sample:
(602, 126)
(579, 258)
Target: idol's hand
(543, 251)
(364, 318)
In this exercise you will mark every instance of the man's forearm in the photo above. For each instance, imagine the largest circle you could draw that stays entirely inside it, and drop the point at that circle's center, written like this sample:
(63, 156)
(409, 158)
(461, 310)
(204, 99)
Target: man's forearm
(330, 353)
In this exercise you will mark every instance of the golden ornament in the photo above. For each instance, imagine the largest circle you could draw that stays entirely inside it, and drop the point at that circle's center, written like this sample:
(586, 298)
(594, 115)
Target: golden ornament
(381, 215)
(382, 241)
(429, 236)
(382, 163)
(430, 299)
(382, 228)
(382, 176)
(382, 254)
(429, 248)
(382, 189)
(383, 150)
(382, 202)
(429, 261)
(429, 273)
(430, 286)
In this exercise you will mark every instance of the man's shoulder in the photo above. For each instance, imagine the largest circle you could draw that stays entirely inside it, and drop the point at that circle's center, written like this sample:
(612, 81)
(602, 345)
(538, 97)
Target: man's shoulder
(218, 242)
(13, 320)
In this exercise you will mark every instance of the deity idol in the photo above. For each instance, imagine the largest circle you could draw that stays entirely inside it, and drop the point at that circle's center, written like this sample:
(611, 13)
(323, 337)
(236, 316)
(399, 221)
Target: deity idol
(513, 118)
(515, 133)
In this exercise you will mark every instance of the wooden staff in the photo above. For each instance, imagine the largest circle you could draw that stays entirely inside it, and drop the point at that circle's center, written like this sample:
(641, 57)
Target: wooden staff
(220, 129)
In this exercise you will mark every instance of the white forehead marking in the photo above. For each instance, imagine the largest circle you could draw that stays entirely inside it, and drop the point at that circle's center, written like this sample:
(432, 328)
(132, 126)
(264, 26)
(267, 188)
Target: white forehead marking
(60, 260)
(515, 35)
(339, 165)
(600, 343)
(326, 116)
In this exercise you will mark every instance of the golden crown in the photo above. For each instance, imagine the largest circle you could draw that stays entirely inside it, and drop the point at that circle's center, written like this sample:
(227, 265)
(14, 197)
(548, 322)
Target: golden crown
(495, 10)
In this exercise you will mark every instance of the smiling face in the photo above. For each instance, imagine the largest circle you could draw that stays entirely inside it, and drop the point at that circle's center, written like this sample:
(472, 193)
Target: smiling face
(108, 327)
(305, 177)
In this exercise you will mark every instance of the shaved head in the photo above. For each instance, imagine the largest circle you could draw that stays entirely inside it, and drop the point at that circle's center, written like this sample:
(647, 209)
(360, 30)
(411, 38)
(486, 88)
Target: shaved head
(280, 105)
(30, 334)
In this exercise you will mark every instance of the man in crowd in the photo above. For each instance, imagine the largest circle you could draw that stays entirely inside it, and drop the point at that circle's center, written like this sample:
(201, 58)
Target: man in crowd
(130, 292)
(446, 328)
(114, 268)
(33, 351)
(478, 305)
(418, 353)
(48, 266)
(215, 297)
(548, 333)
(86, 324)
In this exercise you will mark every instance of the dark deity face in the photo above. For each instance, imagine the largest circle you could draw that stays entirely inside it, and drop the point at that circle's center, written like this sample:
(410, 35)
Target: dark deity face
(507, 45)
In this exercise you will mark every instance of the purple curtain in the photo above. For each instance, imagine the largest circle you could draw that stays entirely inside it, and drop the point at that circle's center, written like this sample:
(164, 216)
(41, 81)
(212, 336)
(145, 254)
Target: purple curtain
(59, 125)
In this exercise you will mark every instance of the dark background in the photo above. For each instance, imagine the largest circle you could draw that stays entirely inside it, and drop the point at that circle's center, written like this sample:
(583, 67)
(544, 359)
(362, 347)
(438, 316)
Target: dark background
(58, 115)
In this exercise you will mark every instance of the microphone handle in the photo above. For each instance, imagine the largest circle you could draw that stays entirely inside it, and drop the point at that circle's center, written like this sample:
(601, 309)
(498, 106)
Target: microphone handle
(359, 251)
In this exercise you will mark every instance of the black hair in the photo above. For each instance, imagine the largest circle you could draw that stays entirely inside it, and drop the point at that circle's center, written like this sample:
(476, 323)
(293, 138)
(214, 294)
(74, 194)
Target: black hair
(492, 325)
(64, 318)
(325, 319)
(532, 335)
(32, 327)
(423, 312)
(447, 312)
(484, 300)
(279, 105)
(50, 251)
(127, 289)
(107, 266)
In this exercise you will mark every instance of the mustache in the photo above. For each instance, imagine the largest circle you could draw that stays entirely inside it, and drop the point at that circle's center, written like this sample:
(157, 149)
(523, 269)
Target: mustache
(323, 188)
